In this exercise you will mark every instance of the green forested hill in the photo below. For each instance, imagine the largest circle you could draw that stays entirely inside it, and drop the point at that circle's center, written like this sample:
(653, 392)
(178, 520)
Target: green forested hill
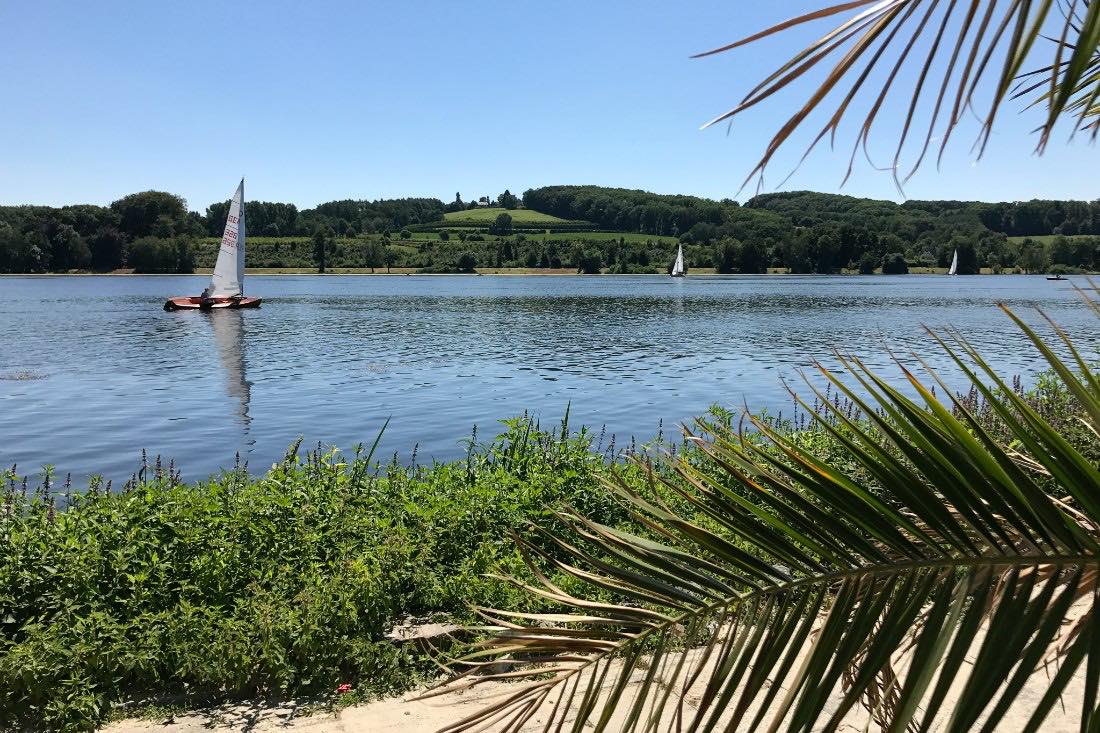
(591, 228)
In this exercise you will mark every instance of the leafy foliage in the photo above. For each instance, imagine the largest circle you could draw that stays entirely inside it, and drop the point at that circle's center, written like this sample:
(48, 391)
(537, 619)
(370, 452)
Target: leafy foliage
(969, 48)
(283, 584)
(935, 530)
(801, 231)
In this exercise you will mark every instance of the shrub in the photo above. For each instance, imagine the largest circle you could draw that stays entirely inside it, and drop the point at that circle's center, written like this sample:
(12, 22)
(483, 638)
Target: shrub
(466, 262)
(894, 264)
(277, 585)
(154, 254)
(867, 263)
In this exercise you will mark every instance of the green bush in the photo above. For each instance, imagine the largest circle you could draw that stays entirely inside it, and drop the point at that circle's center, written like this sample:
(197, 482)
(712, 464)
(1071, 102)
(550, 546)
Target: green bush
(894, 264)
(155, 254)
(277, 585)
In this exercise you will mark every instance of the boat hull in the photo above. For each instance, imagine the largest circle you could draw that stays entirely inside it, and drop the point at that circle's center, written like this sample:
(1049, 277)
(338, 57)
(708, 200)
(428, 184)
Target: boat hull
(196, 303)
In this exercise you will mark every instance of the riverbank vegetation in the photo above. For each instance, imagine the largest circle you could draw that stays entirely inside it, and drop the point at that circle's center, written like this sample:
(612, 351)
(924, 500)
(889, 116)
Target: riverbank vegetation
(292, 581)
(585, 228)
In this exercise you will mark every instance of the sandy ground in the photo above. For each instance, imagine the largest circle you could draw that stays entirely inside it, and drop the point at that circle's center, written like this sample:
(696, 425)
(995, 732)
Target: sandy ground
(410, 716)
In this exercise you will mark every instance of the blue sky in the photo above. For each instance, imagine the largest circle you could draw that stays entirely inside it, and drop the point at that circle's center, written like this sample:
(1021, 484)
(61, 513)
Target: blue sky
(320, 101)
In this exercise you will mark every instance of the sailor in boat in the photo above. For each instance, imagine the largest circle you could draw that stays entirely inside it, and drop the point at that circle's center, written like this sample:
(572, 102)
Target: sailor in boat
(205, 298)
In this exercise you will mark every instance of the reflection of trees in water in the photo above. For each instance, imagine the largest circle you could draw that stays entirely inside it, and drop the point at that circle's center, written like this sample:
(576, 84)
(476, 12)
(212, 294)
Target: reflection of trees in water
(228, 328)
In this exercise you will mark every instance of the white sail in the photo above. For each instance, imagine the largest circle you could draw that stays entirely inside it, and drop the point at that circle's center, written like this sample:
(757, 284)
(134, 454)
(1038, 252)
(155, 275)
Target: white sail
(228, 278)
(678, 267)
(954, 263)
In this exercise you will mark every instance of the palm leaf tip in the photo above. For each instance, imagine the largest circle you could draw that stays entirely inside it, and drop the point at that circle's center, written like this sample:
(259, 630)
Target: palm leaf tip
(930, 578)
(939, 58)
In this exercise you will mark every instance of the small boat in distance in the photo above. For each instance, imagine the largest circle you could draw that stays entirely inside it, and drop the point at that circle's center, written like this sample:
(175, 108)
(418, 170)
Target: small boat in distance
(678, 265)
(1055, 277)
(226, 289)
(954, 263)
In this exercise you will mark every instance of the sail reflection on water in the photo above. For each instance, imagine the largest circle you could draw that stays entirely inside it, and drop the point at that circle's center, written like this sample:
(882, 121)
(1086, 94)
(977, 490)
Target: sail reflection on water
(229, 335)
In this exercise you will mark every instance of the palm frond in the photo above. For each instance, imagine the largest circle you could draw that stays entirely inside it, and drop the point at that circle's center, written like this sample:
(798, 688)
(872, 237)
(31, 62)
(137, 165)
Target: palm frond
(925, 580)
(973, 46)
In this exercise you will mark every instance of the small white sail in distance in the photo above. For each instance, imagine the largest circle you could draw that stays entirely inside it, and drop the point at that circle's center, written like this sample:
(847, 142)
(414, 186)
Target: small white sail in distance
(954, 263)
(678, 266)
(228, 277)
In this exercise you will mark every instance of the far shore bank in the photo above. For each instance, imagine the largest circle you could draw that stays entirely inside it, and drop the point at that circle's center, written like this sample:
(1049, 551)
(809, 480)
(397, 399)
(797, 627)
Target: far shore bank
(400, 271)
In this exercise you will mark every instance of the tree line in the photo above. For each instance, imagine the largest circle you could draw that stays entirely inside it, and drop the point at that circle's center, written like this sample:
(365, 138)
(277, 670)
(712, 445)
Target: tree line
(154, 231)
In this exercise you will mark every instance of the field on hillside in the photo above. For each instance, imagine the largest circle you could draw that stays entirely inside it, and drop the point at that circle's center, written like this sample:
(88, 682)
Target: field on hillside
(488, 215)
(1048, 238)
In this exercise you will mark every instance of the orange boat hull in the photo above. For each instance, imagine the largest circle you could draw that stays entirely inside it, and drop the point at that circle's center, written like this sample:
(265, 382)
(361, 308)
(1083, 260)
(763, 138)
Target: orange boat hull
(196, 303)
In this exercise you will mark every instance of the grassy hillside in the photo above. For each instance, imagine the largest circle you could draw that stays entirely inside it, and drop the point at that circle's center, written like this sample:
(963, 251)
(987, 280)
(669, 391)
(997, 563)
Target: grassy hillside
(487, 216)
(1048, 238)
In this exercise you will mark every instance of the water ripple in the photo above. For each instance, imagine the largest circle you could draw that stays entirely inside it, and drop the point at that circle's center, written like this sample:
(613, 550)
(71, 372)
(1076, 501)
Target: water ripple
(332, 358)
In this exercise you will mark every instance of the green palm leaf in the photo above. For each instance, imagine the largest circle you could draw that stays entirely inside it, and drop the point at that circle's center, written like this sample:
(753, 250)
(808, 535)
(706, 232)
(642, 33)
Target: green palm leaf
(961, 51)
(926, 579)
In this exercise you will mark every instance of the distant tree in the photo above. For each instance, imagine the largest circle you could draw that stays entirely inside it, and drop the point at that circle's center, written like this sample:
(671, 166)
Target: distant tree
(1060, 252)
(867, 263)
(895, 264)
(701, 233)
(108, 249)
(158, 255)
(444, 236)
(466, 262)
(457, 205)
(406, 234)
(164, 227)
(68, 250)
(322, 240)
(726, 255)
(968, 258)
(374, 254)
(21, 252)
(508, 200)
(1033, 256)
(185, 254)
(553, 257)
(139, 212)
(586, 259)
(462, 236)
(752, 258)
(502, 225)
(271, 230)
(391, 256)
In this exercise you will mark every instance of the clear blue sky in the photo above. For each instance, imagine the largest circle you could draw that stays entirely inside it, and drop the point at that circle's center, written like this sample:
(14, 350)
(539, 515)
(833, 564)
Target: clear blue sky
(320, 101)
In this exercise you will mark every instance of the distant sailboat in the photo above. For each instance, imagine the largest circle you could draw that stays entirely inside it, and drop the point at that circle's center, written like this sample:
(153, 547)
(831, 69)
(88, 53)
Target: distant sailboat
(954, 263)
(226, 289)
(678, 266)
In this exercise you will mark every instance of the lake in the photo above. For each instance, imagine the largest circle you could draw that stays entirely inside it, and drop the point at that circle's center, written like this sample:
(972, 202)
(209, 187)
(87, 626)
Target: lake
(92, 370)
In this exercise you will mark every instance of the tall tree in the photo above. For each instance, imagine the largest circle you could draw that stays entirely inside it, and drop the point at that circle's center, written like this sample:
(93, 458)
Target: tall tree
(108, 247)
(322, 240)
(139, 212)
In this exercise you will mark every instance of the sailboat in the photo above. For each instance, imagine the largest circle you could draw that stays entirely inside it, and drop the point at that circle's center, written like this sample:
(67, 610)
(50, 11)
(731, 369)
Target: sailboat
(226, 289)
(678, 266)
(954, 263)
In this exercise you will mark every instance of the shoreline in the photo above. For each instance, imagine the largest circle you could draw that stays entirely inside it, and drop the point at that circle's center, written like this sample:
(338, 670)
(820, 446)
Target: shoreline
(513, 272)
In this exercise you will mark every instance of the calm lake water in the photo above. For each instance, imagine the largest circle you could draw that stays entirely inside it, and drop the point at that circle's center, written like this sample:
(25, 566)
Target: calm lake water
(92, 370)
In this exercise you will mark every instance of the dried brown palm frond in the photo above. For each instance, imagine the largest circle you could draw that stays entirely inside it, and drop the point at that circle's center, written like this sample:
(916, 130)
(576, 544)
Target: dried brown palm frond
(972, 46)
